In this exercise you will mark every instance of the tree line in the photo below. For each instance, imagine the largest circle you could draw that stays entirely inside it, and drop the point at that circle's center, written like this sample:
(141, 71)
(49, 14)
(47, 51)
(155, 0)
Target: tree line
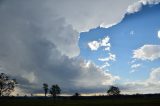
(7, 86)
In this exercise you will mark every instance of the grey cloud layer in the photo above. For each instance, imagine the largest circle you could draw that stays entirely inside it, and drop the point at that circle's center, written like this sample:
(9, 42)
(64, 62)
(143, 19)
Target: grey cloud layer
(87, 14)
(37, 46)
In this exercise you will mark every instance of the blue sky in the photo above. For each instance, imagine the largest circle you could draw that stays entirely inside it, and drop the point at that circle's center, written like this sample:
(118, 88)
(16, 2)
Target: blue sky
(134, 31)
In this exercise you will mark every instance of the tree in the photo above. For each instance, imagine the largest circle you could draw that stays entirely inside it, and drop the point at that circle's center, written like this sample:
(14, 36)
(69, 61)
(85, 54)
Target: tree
(45, 87)
(55, 90)
(76, 94)
(7, 85)
(113, 91)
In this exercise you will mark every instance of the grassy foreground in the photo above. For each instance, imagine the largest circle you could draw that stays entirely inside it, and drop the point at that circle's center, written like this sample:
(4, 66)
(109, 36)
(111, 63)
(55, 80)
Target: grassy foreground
(80, 102)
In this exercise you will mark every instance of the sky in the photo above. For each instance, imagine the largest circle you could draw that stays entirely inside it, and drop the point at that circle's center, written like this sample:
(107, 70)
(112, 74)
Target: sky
(85, 50)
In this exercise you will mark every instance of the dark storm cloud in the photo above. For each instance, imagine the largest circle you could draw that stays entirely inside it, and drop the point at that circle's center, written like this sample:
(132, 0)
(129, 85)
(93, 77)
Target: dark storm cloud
(38, 46)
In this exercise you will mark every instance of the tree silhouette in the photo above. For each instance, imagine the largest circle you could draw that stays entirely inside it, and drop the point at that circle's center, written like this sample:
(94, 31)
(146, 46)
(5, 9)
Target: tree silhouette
(113, 91)
(45, 87)
(76, 94)
(6, 85)
(55, 90)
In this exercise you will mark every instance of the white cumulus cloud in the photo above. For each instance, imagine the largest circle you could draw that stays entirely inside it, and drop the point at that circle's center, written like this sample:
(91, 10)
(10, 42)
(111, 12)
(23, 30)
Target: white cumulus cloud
(95, 45)
(135, 7)
(105, 41)
(159, 34)
(147, 52)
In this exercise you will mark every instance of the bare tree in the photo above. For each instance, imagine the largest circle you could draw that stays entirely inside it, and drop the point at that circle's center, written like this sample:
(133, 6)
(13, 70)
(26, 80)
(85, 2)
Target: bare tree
(55, 90)
(45, 87)
(6, 85)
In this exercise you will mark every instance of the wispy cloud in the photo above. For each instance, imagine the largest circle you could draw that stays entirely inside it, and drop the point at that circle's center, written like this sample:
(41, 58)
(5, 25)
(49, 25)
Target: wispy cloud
(132, 32)
(111, 57)
(135, 66)
(150, 85)
(106, 60)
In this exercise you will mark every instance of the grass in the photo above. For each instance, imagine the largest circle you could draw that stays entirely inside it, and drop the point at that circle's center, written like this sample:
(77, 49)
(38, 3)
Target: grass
(80, 102)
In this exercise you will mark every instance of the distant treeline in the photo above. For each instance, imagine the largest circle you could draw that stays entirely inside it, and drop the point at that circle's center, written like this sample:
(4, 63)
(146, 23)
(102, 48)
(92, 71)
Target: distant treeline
(87, 97)
(7, 86)
(118, 96)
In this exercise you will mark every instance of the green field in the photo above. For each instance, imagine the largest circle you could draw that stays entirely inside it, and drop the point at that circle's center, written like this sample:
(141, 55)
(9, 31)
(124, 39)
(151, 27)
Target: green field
(81, 102)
